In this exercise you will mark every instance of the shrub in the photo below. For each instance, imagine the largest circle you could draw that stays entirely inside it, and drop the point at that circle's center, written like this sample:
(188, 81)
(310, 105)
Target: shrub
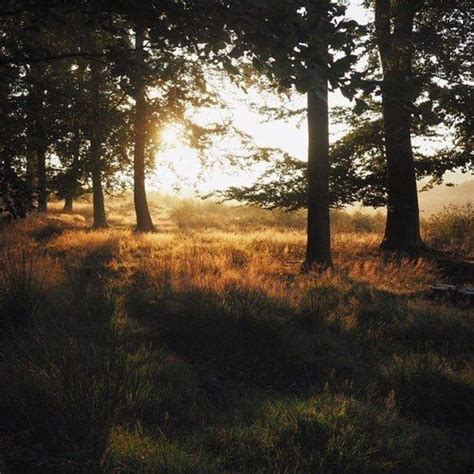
(452, 230)
(358, 221)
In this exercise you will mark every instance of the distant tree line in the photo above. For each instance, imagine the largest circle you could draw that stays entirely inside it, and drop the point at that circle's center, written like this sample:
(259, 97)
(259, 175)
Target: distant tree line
(86, 84)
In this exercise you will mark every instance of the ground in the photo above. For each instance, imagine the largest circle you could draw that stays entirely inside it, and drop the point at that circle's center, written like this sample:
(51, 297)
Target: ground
(205, 348)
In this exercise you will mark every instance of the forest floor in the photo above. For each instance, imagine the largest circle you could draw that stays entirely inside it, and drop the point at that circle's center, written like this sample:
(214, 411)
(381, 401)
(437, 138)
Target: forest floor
(203, 350)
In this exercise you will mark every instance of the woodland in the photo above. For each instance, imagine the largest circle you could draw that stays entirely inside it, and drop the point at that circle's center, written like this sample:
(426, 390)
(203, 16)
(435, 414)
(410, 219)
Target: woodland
(263, 327)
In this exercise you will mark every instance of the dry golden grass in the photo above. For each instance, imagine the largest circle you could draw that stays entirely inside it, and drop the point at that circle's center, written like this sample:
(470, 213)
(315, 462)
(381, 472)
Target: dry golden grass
(197, 349)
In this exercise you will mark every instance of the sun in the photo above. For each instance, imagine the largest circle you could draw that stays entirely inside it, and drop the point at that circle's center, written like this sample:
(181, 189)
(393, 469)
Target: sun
(177, 165)
(172, 134)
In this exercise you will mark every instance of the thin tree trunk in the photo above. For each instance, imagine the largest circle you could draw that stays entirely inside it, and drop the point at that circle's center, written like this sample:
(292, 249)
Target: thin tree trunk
(42, 179)
(100, 219)
(318, 249)
(394, 30)
(144, 221)
(72, 183)
(29, 180)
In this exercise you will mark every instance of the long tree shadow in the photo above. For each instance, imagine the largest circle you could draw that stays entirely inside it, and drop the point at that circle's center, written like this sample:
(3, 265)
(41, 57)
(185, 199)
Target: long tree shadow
(365, 343)
(67, 380)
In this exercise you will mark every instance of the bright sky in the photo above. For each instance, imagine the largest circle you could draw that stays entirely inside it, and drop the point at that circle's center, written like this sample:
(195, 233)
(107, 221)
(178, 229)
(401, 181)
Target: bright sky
(179, 169)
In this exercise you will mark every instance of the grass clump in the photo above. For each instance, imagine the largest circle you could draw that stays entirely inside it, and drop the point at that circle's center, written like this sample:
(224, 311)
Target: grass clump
(425, 388)
(63, 395)
(135, 451)
(325, 434)
(452, 230)
(26, 276)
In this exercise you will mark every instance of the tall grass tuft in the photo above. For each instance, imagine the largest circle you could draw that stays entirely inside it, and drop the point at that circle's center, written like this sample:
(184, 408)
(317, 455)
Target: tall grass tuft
(25, 279)
(452, 230)
(64, 397)
(91, 293)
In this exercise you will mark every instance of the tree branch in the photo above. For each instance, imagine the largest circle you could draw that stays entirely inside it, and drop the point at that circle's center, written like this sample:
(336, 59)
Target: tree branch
(8, 60)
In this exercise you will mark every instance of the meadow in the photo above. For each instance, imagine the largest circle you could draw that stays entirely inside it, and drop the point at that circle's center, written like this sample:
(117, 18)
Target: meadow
(205, 348)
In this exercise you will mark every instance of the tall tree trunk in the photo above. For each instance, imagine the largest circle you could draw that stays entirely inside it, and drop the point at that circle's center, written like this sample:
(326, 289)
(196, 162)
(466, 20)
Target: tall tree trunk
(68, 204)
(318, 249)
(30, 183)
(100, 220)
(42, 179)
(394, 30)
(38, 133)
(144, 222)
(71, 183)
(402, 231)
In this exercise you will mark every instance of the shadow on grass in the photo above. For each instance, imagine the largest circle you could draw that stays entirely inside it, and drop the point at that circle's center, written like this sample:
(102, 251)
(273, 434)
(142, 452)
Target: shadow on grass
(67, 382)
(188, 379)
(343, 341)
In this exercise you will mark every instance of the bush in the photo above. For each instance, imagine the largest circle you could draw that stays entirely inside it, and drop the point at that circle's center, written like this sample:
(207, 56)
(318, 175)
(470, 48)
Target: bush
(452, 230)
(358, 221)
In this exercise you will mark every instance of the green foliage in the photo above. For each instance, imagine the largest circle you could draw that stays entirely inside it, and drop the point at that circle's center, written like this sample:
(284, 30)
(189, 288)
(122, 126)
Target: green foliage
(14, 197)
(358, 167)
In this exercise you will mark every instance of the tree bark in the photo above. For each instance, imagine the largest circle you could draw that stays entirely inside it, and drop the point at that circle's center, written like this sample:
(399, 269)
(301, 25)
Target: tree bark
(38, 135)
(42, 179)
(30, 183)
(71, 183)
(394, 29)
(318, 249)
(402, 231)
(144, 221)
(95, 132)
(68, 204)
(100, 219)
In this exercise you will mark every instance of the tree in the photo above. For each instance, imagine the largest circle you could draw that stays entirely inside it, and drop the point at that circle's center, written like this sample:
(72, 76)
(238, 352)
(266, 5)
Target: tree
(15, 198)
(168, 37)
(415, 100)
(410, 38)
(318, 247)
(38, 132)
(290, 44)
(394, 29)
(295, 44)
(144, 222)
(358, 165)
